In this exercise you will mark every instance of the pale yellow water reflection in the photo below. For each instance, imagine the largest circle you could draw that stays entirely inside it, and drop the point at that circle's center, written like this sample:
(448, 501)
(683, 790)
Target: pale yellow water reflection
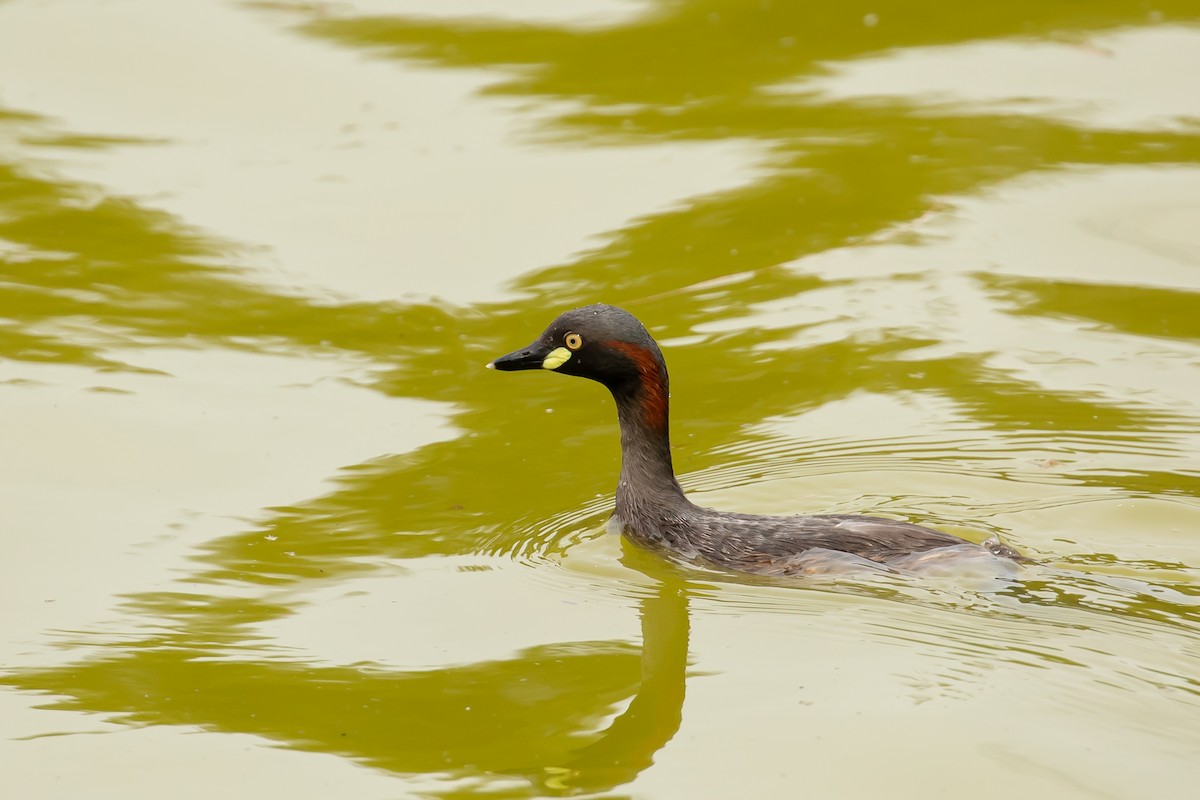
(361, 177)
(271, 528)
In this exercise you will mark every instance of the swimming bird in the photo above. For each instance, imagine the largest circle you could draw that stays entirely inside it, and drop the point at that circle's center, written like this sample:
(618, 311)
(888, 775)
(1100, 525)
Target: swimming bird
(609, 345)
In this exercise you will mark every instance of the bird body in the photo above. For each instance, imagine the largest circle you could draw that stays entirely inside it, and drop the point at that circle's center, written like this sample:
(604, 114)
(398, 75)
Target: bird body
(609, 345)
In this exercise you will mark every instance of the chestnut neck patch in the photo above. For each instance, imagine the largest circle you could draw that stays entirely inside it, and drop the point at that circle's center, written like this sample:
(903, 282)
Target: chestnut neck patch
(653, 397)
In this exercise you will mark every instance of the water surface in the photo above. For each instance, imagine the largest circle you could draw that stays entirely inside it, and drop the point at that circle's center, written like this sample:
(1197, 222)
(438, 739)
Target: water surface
(270, 527)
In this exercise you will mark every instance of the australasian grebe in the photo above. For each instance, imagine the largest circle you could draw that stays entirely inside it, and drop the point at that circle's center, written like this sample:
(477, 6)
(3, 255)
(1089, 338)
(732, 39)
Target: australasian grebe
(609, 345)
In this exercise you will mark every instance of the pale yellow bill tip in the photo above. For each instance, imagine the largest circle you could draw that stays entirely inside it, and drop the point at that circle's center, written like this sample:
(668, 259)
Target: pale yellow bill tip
(490, 365)
(558, 356)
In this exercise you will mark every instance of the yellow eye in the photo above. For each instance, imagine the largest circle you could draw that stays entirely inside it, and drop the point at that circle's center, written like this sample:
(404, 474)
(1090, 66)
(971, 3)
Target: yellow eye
(574, 341)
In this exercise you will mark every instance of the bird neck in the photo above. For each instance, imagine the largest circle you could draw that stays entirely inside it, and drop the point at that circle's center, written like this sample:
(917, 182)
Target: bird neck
(647, 485)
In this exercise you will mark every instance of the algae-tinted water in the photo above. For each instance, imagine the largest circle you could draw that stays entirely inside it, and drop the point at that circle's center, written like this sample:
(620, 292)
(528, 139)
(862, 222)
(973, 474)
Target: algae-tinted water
(270, 527)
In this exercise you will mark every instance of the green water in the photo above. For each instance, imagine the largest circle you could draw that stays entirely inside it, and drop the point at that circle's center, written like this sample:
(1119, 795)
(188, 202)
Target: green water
(270, 527)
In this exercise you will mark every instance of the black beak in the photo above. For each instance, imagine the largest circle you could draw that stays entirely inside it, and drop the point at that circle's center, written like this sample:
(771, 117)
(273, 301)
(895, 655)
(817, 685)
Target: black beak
(530, 357)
